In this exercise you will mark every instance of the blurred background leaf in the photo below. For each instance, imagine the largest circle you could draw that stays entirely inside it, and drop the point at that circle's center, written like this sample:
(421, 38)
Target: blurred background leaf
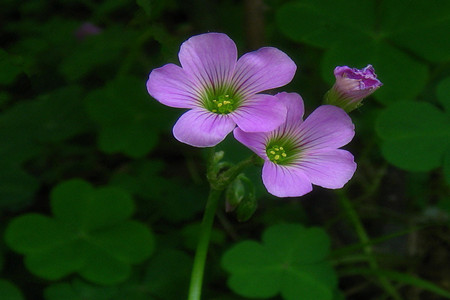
(90, 234)
(9, 291)
(291, 261)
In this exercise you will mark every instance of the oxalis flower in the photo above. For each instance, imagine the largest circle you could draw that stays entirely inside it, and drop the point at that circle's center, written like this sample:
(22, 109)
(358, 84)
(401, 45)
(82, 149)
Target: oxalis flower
(221, 91)
(352, 86)
(299, 154)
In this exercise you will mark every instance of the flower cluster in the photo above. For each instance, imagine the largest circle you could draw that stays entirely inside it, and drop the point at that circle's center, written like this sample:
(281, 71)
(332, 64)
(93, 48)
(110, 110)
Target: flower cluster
(223, 93)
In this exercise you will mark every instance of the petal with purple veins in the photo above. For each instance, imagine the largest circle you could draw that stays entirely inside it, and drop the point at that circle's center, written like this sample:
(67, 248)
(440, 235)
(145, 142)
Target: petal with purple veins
(201, 128)
(255, 141)
(330, 169)
(327, 127)
(282, 181)
(171, 86)
(210, 58)
(294, 106)
(260, 113)
(263, 69)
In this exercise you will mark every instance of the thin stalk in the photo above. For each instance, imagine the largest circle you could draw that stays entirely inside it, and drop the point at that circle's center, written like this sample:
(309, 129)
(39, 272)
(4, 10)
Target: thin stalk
(365, 240)
(195, 287)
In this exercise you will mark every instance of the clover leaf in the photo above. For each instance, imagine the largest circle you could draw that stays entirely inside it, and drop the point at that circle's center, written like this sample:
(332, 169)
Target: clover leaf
(90, 234)
(167, 269)
(357, 33)
(291, 261)
(415, 135)
(9, 291)
(129, 120)
(79, 290)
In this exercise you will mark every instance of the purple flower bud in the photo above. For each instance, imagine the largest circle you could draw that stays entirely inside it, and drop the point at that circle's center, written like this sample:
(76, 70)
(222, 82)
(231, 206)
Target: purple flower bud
(352, 86)
(86, 29)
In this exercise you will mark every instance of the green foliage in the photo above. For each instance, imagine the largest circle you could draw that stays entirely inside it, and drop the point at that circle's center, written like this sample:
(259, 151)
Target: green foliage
(89, 234)
(415, 135)
(353, 33)
(96, 52)
(16, 186)
(175, 205)
(291, 261)
(9, 291)
(166, 270)
(78, 108)
(128, 121)
(9, 68)
(51, 118)
(402, 278)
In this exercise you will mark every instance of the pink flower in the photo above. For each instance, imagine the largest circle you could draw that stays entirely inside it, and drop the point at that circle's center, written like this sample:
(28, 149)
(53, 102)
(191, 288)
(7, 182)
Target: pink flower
(221, 91)
(299, 154)
(352, 86)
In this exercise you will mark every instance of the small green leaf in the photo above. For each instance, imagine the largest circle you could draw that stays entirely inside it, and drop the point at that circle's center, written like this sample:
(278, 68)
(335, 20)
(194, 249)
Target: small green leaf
(77, 203)
(323, 23)
(443, 93)
(16, 186)
(53, 117)
(446, 167)
(129, 119)
(423, 28)
(415, 135)
(79, 290)
(96, 52)
(143, 180)
(90, 234)
(167, 269)
(9, 291)
(291, 261)
(9, 69)
(166, 276)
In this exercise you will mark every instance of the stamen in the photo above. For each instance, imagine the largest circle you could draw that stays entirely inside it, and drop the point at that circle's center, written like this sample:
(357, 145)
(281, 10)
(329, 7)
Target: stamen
(222, 105)
(276, 154)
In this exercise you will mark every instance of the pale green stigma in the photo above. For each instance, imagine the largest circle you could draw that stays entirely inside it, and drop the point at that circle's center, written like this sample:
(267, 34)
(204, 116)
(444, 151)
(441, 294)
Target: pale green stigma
(276, 154)
(224, 104)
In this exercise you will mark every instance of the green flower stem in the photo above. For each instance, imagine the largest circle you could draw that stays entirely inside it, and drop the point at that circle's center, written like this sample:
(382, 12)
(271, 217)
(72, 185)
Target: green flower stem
(195, 287)
(218, 181)
(365, 240)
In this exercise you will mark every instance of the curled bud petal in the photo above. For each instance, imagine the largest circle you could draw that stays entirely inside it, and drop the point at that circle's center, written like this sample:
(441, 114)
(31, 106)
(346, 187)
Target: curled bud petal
(352, 86)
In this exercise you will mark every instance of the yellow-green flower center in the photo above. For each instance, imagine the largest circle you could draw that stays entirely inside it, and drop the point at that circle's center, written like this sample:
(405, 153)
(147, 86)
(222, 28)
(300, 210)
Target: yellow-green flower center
(221, 100)
(276, 154)
(224, 104)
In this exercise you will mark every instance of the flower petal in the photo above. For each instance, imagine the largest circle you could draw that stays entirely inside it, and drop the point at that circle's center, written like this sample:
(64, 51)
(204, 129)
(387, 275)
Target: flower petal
(264, 69)
(210, 58)
(294, 106)
(282, 181)
(201, 128)
(260, 113)
(327, 127)
(171, 86)
(255, 141)
(330, 169)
